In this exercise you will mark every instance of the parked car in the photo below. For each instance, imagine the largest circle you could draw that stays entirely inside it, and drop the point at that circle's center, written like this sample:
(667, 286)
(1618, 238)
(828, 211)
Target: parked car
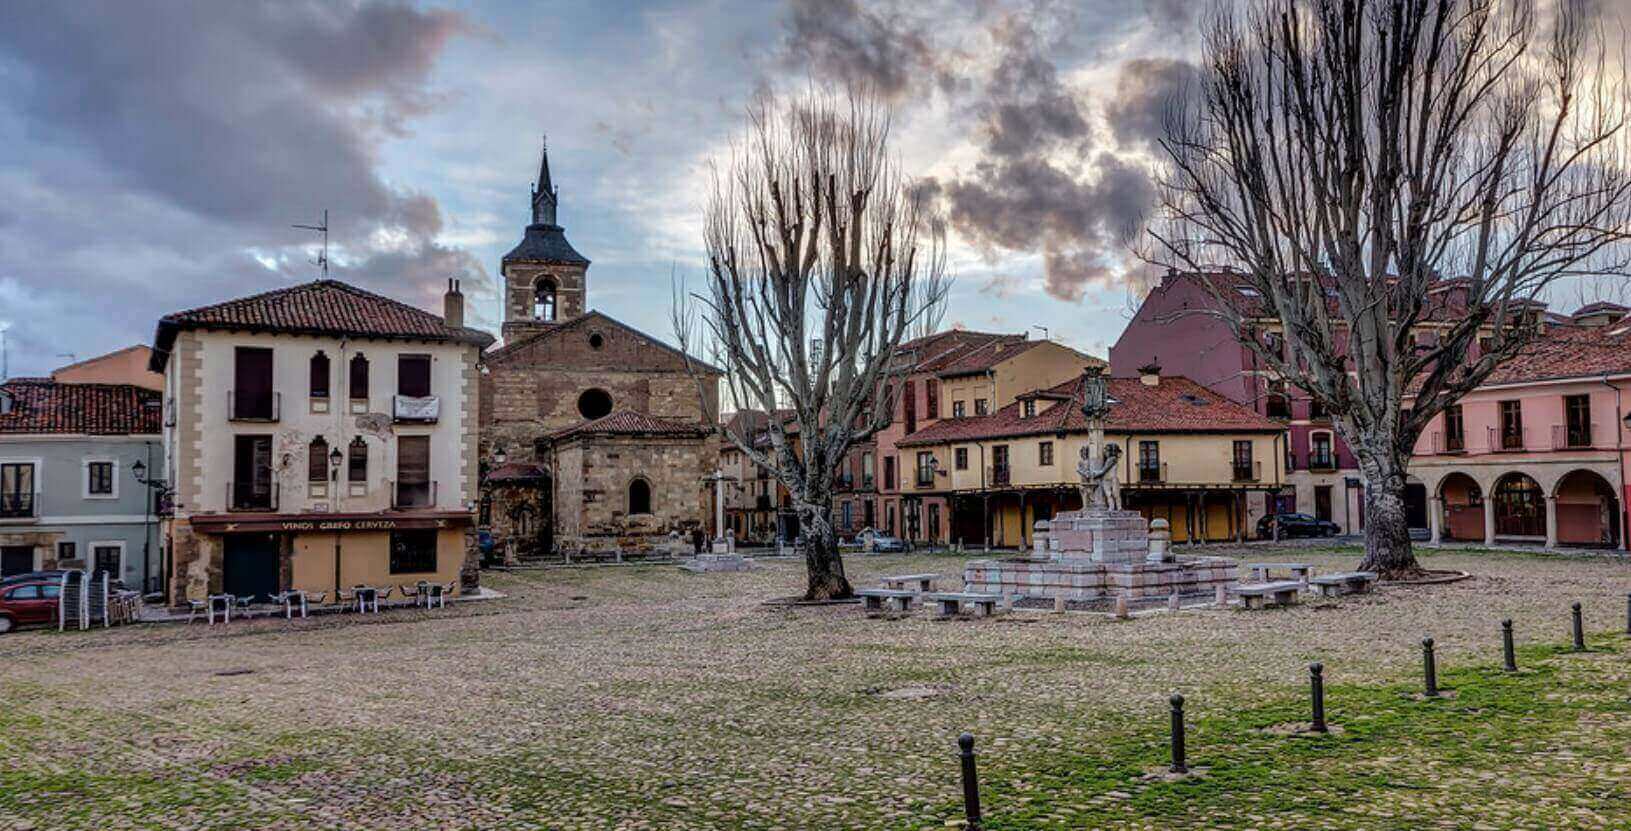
(53, 575)
(881, 543)
(1296, 525)
(27, 602)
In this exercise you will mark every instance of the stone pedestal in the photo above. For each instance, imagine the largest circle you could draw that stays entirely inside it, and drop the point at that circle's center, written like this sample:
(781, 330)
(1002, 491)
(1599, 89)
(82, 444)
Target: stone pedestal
(717, 562)
(1103, 536)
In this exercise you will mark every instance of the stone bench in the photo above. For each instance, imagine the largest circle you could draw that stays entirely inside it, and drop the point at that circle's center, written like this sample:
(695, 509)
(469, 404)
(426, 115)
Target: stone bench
(902, 582)
(1346, 582)
(873, 599)
(1259, 595)
(951, 603)
(1299, 571)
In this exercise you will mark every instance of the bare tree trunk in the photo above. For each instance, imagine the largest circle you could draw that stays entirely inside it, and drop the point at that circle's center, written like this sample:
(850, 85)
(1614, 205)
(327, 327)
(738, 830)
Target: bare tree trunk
(1388, 550)
(824, 568)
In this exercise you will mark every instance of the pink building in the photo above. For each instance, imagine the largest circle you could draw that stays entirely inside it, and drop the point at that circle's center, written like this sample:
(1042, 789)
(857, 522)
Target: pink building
(1539, 453)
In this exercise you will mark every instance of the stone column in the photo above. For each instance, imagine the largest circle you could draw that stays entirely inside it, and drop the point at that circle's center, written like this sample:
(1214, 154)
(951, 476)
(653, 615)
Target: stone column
(1489, 521)
(1551, 521)
(1435, 518)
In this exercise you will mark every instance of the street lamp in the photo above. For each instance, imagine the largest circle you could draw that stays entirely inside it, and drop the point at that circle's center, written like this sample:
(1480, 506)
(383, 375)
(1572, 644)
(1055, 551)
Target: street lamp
(499, 455)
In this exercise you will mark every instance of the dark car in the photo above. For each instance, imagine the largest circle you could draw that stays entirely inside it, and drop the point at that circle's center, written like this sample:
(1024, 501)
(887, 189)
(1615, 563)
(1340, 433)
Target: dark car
(1295, 525)
(27, 602)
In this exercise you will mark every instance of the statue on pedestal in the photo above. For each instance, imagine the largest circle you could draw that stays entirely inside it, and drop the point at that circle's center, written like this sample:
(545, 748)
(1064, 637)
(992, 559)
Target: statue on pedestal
(1100, 487)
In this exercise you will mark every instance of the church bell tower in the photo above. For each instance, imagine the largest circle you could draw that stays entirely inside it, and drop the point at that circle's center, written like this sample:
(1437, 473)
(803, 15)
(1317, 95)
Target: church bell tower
(545, 278)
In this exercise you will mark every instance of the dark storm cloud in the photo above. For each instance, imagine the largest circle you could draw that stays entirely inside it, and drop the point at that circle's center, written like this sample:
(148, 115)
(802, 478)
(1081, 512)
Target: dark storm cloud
(879, 44)
(227, 122)
(1147, 89)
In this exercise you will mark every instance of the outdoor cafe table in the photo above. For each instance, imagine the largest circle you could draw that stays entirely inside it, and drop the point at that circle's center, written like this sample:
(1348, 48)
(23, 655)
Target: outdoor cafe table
(289, 599)
(432, 593)
(367, 595)
(226, 601)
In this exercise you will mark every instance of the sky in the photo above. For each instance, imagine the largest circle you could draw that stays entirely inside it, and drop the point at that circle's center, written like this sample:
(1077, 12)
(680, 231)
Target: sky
(154, 155)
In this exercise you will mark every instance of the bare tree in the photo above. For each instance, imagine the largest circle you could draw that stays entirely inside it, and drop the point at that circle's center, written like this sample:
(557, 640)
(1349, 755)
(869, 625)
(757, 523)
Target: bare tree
(822, 259)
(1390, 182)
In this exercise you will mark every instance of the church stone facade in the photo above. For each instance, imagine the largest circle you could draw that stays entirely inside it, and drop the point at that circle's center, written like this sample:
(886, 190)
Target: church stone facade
(594, 436)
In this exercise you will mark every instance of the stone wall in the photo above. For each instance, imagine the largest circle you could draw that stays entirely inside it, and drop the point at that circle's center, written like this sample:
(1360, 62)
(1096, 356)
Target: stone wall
(1081, 579)
(592, 499)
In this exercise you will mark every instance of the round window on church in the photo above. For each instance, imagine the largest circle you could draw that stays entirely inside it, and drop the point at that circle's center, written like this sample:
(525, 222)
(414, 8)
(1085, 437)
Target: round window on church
(596, 341)
(595, 403)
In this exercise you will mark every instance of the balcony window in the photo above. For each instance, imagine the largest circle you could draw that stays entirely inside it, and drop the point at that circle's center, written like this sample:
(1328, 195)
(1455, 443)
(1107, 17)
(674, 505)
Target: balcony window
(1512, 425)
(889, 473)
(1577, 418)
(414, 488)
(1149, 461)
(1319, 452)
(931, 391)
(16, 490)
(867, 470)
(252, 397)
(1044, 454)
(1455, 438)
(1244, 465)
(252, 487)
(960, 458)
(1316, 411)
(999, 465)
(925, 470)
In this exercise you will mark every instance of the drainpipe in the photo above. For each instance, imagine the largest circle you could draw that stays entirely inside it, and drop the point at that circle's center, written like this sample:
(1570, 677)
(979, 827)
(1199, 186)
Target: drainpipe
(1619, 463)
(147, 523)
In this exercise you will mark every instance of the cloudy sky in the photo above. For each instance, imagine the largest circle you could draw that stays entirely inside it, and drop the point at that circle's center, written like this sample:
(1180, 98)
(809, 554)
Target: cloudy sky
(153, 155)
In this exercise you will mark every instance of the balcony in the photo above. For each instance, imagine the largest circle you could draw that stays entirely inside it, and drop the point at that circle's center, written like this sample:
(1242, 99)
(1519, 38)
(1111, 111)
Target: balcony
(866, 481)
(415, 410)
(1248, 471)
(1446, 443)
(1514, 440)
(1573, 436)
(252, 496)
(1322, 462)
(761, 503)
(925, 477)
(265, 407)
(1152, 474)
(999, 475)
(843, 481)
(19, 505)
(413, 495)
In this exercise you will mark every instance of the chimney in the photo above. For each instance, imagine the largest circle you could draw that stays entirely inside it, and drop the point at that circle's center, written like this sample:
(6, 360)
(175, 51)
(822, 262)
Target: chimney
(1150, 374)
(453, 305)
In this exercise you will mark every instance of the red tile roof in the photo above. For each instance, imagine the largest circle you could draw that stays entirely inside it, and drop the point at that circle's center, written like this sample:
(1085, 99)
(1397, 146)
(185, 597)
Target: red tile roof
(517, 472)
(1569, 353)
(1176, 405)
(40, 405)
(321, 307)
(631, 423)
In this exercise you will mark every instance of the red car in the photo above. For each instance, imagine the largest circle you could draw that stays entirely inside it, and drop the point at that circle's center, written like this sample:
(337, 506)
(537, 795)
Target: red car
(26, 602)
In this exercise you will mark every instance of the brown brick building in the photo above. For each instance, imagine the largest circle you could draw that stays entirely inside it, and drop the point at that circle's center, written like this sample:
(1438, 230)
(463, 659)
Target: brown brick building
(593, 433)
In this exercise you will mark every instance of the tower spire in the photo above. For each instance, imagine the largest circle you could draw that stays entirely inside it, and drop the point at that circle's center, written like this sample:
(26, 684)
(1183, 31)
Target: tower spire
(544, 196)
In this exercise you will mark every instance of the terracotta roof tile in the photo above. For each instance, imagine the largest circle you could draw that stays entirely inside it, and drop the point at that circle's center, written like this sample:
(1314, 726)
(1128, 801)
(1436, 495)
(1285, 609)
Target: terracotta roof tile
(40, 405)
(1176, 405)
(327, 307)
(1569, 353)
(631, 423)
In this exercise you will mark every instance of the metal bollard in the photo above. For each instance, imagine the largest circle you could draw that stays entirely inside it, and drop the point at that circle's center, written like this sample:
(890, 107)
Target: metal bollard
(1579, 629)
(1429, 667)
(1178, 765)
(1628, 614)
(1506, 646)
(971, 783)
(1316, 684)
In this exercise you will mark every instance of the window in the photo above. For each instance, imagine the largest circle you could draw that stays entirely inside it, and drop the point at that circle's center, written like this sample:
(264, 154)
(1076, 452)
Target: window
(957, 409)
(413, 552)
(1316, 411)
(543, 300)
(889, 473)
(999, 464)
(108, 557)
(540, 450)
(1274, 344)
(16, 489)
(252, 486)
(413, 376)
(65, 551)
(1511, 425)
(596, 340)
(317, 460)
(909, 405)
(1028, 409)
(359, 378)
(1319, 454)
(1486, 345)
(1149, 461)
(357, 461)
(1577, 416)
(1454, 429)
(1044, 454)
(849, 516)
(99, 479)
(867, 470)
(252, 396)
(414, 489)
(594, 403)
(1275, 402)
(981, 407)
(319, 375)
(639, 497)
(1244, 465)
(931, 390)
(925, 470)
(961, 457)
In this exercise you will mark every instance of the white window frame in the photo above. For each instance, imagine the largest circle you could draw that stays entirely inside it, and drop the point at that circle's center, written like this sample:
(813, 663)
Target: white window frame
(89, 557)
(39, 492)
(85, 479)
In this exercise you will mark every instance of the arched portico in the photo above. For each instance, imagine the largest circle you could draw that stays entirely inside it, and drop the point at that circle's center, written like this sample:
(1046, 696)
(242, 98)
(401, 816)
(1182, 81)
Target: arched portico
(1585, 511)
(1461, 500)
(1520, 508)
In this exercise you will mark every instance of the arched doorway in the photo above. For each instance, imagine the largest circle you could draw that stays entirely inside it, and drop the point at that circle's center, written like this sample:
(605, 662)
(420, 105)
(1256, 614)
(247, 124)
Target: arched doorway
(1463, 508)
(1519, 505)
(1587, 512)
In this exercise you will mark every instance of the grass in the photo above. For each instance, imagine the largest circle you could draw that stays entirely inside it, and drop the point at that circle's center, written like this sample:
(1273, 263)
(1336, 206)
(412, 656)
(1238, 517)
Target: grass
(646, 698)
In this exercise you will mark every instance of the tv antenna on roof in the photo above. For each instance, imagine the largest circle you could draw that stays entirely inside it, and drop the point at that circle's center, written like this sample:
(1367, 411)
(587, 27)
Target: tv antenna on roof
(322, 256)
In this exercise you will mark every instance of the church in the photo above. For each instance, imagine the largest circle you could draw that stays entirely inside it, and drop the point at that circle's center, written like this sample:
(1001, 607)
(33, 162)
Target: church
(594, 437)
